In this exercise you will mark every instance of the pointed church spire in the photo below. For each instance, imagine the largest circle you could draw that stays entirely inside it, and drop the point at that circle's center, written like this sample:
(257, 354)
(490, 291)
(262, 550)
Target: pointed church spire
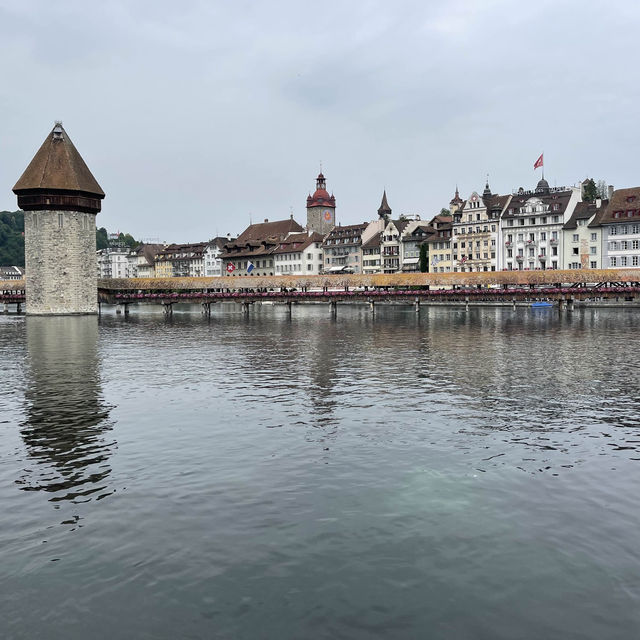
(487, 191)
(385, 209)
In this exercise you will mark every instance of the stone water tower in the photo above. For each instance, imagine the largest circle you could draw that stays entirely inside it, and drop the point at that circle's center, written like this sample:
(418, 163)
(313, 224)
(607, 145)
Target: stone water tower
(60, 198)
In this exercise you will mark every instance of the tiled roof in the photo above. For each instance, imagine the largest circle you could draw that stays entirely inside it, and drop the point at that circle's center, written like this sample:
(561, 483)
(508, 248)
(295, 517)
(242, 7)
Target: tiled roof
(584, 211)
(266, 229)
(297, 242)
(624, 206)
(561, 198)
(58, 166)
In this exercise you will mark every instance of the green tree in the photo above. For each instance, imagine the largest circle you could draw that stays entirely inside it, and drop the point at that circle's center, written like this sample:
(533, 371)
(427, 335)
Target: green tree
(445, 212)
(12, 238)
(102, 238)
(424, 257)
(129, 240)
(589, 191)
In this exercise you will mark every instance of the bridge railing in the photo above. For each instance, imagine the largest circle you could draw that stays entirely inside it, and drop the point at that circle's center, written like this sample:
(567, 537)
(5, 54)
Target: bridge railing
(482, 279)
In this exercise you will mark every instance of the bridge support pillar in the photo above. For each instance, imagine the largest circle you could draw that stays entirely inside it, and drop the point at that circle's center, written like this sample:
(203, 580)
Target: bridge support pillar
(245, 308)
(118, 309)
(570, 303)
(561, 303)
(514, 303)
(126, 308)
(206, 309)
(466, 303)
(168, 309)
(19, 307)
(6, 307)
(372, 306)
(416, 305)
(333, 306)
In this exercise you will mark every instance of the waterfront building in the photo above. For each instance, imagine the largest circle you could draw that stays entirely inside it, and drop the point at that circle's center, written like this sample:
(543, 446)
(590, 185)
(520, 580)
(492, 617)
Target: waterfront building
(391, 247)
(371, 261)
(60, 198)
(142, 260)
(411, 240)
(211, 256)
(180, 261)
(342, 248)
(11, 273)
(439, 243)
(114, 262)
(299, 254)
(620, 223)
(371, 242)
(582, 236)
(252, 252)
(321, 208)
(532, 226)
(475, 231)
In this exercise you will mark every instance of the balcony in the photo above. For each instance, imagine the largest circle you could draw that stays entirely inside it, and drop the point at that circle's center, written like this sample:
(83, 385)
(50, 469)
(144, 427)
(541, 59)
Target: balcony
(519, 258)
(553, 241)
(542, 257)
(508, 243)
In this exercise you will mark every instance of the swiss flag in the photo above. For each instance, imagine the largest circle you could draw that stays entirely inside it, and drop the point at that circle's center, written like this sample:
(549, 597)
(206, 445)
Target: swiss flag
(231, 267)
(539, 162)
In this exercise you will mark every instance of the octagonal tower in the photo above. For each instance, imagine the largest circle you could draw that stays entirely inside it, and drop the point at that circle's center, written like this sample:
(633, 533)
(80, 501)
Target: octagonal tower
(60, 198)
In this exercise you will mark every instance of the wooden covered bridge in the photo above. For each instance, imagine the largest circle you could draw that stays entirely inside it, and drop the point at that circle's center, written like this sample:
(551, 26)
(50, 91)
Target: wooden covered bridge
(506, 287)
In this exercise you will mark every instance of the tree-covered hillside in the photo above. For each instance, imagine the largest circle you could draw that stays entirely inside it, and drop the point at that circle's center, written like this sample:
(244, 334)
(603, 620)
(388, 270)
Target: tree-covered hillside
(12, 238)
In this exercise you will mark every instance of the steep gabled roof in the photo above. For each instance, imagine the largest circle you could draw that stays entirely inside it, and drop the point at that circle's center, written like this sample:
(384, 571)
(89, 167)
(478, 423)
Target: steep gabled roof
(266, 229)
(623, 206)
(585, 211)
(57, 166)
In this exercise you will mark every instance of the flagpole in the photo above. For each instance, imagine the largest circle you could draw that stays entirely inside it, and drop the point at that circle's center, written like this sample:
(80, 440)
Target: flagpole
(543, 165)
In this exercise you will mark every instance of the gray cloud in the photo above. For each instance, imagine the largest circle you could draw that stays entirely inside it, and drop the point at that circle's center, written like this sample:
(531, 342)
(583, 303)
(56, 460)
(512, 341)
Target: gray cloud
(194, 116)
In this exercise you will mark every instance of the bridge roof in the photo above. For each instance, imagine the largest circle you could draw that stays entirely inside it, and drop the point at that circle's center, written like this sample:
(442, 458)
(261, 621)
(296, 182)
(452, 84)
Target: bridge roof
(58, 166)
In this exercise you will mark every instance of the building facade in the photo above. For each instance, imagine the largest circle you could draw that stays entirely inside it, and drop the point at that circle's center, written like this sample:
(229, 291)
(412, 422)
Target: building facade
(475, 232)
(60, 198)
(180, 261)
(620, 223)
(253, 251)
(582, 237)
(532, 226)
(342, 249)
(299, 254)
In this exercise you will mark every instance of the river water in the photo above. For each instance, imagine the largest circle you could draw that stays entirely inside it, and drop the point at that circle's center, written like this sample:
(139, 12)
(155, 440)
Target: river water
(448, 475)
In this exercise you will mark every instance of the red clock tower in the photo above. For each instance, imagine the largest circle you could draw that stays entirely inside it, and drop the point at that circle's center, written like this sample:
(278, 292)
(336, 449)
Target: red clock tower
(321, 208)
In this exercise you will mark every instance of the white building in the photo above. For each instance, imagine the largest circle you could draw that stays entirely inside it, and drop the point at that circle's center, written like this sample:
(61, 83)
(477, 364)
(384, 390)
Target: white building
(532, 227)
(113, 262)
(211, 256)
(621, 229)
(582, 237)
(299, 254)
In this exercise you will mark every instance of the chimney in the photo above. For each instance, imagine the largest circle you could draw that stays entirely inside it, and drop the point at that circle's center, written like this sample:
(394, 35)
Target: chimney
(610, 191)
(266, 219)
(598, 203)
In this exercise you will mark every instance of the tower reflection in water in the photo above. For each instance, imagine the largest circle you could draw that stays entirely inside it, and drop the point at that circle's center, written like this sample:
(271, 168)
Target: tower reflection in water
(67, 426)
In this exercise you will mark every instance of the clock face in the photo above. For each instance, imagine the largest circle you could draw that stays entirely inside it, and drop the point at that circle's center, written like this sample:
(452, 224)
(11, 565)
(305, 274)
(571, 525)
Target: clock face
(327, 215)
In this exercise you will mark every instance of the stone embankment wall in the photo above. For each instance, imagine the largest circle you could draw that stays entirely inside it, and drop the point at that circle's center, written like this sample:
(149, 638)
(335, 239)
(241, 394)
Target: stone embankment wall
(60, 262)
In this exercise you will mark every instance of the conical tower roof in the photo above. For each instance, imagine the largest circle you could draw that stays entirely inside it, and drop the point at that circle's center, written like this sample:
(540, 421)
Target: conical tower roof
(384, 209)
(57, 166)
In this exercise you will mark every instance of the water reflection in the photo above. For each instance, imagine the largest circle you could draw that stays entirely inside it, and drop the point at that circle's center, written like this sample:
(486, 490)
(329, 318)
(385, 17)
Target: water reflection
(67, 428)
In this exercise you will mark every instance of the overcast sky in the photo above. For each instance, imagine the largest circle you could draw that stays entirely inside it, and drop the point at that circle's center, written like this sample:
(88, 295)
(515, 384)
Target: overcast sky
(195, 115)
